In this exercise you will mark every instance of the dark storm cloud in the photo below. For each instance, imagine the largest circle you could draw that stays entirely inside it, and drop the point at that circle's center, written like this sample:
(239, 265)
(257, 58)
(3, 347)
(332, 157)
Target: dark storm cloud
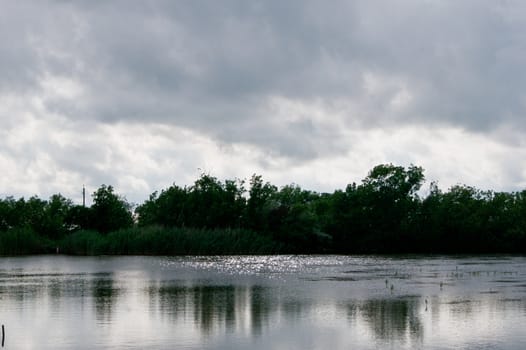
(216, 66)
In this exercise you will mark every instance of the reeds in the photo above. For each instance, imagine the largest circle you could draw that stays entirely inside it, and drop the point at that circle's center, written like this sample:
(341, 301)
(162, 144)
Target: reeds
(22, 241)
(157, 240)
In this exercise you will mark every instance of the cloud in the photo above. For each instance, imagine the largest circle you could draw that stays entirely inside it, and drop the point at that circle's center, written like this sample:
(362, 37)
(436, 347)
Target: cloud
(142, 93)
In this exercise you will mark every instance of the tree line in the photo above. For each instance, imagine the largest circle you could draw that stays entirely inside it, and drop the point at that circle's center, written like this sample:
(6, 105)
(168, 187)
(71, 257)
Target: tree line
(385, 213)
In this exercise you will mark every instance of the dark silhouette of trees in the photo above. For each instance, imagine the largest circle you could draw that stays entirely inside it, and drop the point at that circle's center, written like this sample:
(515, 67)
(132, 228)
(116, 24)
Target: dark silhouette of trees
(209, 203)
(78, 217)
(385, 213)
(212, 204)
(260, 204)
(48, 218)
(109, 211)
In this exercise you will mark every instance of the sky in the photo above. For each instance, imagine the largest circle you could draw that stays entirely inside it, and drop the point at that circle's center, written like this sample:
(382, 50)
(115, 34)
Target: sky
(144, 94)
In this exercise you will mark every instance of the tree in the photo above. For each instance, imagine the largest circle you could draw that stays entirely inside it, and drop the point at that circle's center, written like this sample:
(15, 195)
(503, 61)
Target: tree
(168, 208)
(214, 204)
(390, 205)
(379, 214)
(77, 218)
(395, 180)
(260, 202)
(109, 211)
(294, 220)
(56, 212)
(7, 213)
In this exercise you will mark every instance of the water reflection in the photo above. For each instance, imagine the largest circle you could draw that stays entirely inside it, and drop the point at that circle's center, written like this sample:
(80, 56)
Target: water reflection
(147, 305)
(390, 320)
(215, 308)
(105, 296)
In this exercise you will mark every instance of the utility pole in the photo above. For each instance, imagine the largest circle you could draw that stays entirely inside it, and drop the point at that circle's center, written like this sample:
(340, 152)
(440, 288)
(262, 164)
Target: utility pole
(83, 196)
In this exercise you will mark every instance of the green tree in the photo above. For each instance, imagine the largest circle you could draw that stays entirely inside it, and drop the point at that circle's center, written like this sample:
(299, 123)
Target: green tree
(78, 217)
(169, 208)
(54, 224)
(109, 211)
(294, 220)
(7, 213)
(261, 201)
(31, 214)
(378, 214)
(213, 204)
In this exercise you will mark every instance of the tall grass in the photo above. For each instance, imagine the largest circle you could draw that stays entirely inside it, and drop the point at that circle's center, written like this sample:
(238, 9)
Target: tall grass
(22, 241)
(169, 241)
(83, 243)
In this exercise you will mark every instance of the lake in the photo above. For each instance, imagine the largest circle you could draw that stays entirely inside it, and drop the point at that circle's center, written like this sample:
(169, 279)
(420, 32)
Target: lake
(263, 302)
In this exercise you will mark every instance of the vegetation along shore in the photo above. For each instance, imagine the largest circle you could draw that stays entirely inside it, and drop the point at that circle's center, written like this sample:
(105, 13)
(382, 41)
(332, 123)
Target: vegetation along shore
(385, 213)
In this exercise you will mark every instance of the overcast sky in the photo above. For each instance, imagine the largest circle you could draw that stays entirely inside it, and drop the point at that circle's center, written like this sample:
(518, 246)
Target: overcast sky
(143, 94)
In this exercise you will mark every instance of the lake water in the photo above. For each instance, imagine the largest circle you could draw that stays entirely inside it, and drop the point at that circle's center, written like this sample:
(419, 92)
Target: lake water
(263, 302)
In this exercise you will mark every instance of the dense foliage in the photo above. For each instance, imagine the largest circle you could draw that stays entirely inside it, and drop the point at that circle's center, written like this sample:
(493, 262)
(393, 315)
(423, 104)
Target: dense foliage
(385, 213)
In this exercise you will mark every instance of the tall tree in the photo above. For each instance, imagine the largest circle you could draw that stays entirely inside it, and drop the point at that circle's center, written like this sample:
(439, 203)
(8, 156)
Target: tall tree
(109, 211)
(260, 202)
(56, 213)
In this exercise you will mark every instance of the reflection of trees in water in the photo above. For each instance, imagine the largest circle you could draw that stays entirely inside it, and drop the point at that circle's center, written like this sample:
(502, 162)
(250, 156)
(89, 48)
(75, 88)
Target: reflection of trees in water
(213, 305)
(206, 305)
(105, 296)
(510, 304)
(252, 309)
(294, 310)
(63, 286)
(55, 288)
(390, 319)
(260, 308)
(25, 291)
(216, 308)
(466, 309)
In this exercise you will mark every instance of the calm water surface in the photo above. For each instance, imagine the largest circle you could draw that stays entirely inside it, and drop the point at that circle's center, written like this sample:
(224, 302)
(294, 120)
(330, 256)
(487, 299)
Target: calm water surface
(263, 302)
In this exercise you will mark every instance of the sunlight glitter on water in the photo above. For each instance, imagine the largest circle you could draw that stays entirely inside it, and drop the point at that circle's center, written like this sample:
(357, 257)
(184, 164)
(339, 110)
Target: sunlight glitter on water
(263, 302)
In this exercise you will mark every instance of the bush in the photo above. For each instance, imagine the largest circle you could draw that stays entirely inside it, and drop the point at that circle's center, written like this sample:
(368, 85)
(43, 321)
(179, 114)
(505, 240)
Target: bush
(84, 243)
(155, 240)
(21, 241)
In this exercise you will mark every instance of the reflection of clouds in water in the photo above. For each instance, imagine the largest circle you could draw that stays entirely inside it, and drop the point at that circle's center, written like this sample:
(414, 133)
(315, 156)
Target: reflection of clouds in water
(202, 303)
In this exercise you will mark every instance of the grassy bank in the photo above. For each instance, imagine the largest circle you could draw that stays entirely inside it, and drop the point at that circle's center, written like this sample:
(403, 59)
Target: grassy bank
(169, 241)
(23, 241)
